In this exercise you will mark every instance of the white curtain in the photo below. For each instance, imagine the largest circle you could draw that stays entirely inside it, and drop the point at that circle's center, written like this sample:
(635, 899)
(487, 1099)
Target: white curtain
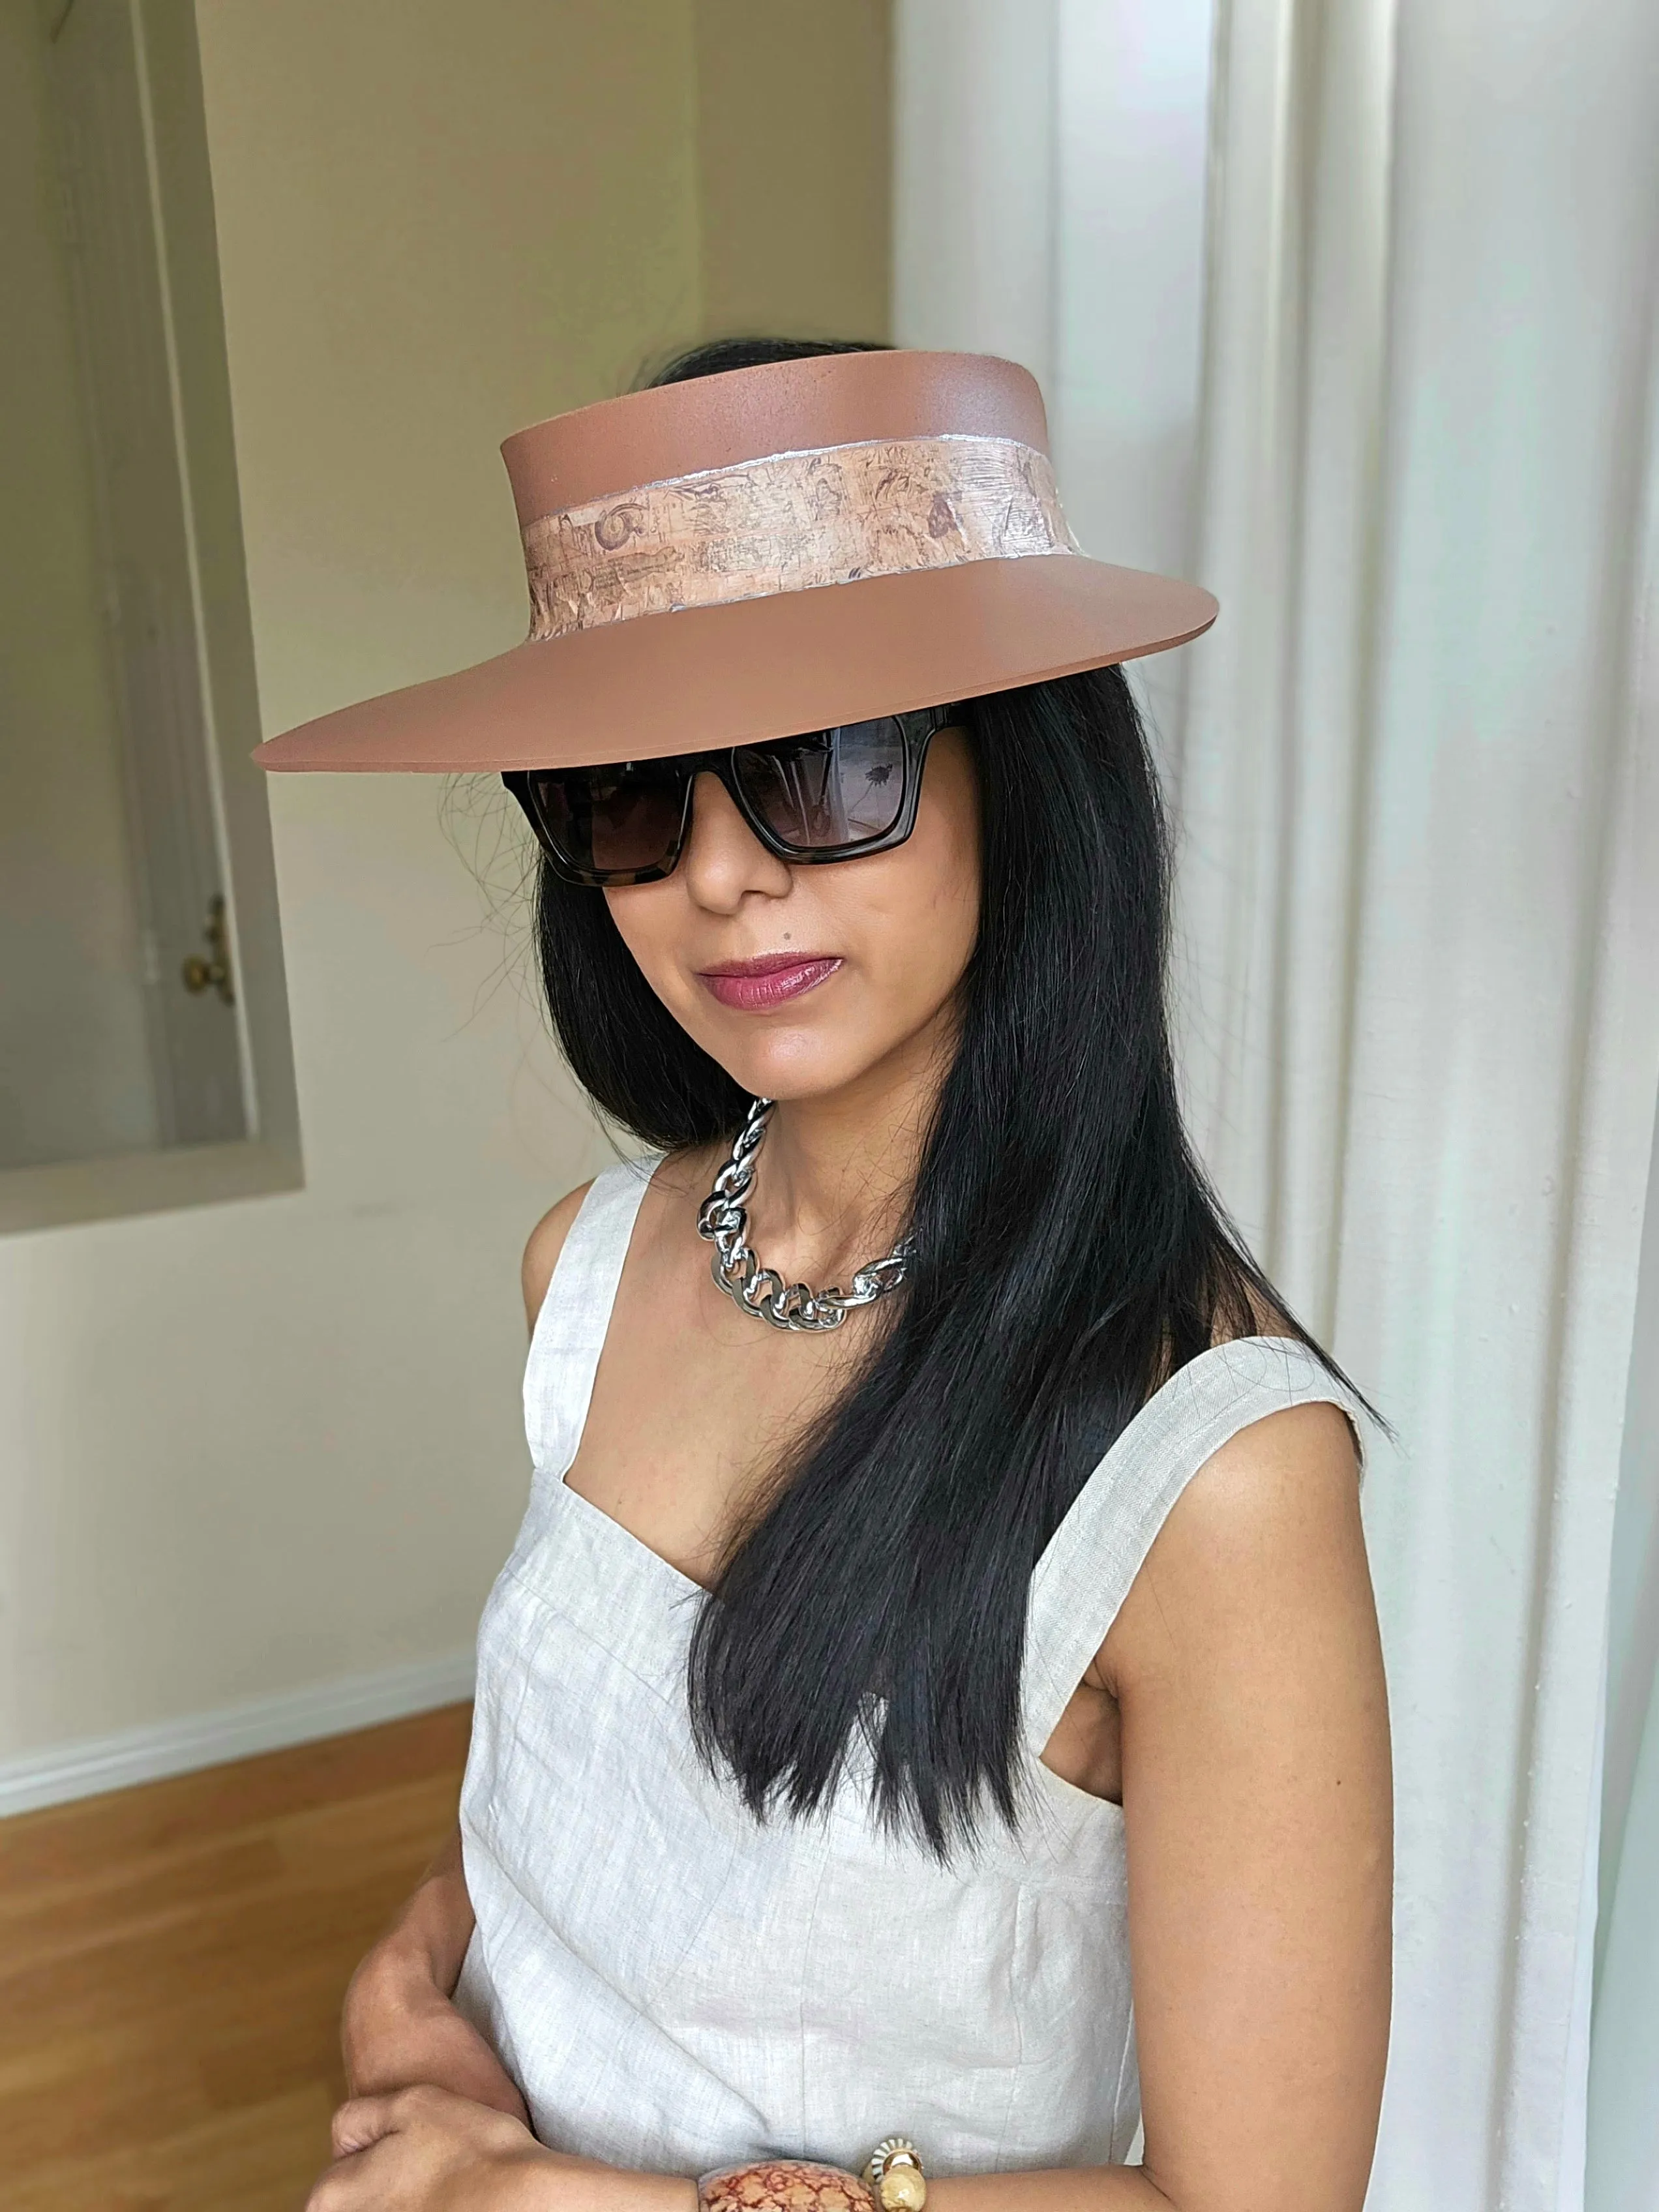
(1408, 439)
(1623, 2085)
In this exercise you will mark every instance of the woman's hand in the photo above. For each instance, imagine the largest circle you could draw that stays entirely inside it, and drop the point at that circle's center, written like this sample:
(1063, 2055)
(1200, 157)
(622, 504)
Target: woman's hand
(427, 2151)
(424, 2150)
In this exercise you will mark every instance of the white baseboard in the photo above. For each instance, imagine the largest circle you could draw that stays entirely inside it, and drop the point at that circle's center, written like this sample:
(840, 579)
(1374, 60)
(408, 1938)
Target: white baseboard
(95, 1764)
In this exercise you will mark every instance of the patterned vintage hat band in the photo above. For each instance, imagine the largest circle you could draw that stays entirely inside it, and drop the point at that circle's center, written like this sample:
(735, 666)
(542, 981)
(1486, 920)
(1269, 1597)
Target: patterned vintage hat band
(791, 522)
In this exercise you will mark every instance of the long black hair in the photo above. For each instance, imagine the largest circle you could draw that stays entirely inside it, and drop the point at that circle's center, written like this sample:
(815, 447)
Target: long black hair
(1069, 1257)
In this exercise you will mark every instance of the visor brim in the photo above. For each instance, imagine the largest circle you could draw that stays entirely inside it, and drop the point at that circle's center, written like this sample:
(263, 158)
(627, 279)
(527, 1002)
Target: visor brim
(761, 668)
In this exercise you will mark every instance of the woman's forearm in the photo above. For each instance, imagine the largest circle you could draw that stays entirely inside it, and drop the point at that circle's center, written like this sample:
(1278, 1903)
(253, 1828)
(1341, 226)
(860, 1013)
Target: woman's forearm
(435, 1926)
(1066, 2189)
(399, 2027)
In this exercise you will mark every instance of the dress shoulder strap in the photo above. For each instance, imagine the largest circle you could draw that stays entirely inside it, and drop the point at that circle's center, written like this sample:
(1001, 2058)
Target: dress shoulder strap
(1085, 1573)
(570, 1328)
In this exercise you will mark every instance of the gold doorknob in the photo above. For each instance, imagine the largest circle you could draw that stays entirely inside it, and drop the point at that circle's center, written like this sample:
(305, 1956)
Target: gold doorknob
(212, 974)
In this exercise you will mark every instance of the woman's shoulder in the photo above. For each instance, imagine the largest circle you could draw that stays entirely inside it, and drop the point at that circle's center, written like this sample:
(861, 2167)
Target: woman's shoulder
(1305, 1447)
(1265, 1443)
(1266, 1531)
(541, 1254)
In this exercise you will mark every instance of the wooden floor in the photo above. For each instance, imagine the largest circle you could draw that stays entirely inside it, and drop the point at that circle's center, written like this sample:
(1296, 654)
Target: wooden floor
(172, 1960)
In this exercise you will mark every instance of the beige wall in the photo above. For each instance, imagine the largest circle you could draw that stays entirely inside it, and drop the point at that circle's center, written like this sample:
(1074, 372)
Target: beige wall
(250, 1447)
(74, 1057)
(793, 105)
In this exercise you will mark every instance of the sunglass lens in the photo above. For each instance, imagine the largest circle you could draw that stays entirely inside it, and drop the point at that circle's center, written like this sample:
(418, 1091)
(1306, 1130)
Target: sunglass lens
(841, 786)
(619, 821)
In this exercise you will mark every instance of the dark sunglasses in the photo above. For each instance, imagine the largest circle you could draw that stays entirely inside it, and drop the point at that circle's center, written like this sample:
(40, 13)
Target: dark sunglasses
(831, 795)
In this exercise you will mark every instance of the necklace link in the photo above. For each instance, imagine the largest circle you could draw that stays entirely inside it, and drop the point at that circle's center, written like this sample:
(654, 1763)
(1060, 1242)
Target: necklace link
(723, 1222)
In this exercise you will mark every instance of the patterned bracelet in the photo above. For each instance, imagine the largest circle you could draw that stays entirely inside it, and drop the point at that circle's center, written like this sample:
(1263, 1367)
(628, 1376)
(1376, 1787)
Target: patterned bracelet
(783, 2185)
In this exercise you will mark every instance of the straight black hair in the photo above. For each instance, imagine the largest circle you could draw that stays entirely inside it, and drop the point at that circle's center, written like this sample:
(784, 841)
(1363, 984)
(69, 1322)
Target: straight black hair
(1070, 1257)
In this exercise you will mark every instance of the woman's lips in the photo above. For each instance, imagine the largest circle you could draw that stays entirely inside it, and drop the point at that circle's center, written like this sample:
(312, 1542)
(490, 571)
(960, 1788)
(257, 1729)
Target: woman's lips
(753, 986)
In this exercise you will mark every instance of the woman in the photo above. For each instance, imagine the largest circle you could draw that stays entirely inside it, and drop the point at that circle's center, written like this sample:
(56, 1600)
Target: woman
(880, 1671)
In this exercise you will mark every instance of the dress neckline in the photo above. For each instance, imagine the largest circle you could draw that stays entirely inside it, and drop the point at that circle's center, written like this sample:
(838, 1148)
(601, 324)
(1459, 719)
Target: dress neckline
(592, 1261)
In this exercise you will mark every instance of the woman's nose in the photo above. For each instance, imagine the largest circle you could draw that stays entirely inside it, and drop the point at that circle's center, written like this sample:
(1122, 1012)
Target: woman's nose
(722, 860)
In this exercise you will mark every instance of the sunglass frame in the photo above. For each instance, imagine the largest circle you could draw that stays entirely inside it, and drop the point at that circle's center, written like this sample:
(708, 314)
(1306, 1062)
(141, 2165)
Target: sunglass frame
(917, 731)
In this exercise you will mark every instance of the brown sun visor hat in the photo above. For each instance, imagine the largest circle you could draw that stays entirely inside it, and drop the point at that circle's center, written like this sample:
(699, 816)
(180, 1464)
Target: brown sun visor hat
(769, 551)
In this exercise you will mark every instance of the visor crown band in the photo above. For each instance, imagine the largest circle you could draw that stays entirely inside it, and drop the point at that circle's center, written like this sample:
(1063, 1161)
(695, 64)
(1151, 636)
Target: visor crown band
(791, 522)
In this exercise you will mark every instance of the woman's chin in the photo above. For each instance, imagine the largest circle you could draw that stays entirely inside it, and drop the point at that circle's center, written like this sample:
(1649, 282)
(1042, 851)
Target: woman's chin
(797, 1070)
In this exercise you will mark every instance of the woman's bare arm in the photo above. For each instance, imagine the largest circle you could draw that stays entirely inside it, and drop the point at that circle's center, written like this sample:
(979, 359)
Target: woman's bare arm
(1256, 1796)
(399, 2026)
(1257, 1792)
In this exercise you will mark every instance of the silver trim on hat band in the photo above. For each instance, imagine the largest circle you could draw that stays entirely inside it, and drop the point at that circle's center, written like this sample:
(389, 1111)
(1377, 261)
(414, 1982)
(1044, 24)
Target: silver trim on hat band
(791, 522)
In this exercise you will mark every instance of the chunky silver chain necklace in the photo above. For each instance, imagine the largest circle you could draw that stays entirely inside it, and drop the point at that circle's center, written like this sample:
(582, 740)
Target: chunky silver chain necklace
(723, 1220)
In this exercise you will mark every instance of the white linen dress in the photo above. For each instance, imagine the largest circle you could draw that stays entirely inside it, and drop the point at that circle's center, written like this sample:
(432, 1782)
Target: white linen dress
(676, 1986)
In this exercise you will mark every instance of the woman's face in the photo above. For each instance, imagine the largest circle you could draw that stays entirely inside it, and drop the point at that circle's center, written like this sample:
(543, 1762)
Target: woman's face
(798, 981)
